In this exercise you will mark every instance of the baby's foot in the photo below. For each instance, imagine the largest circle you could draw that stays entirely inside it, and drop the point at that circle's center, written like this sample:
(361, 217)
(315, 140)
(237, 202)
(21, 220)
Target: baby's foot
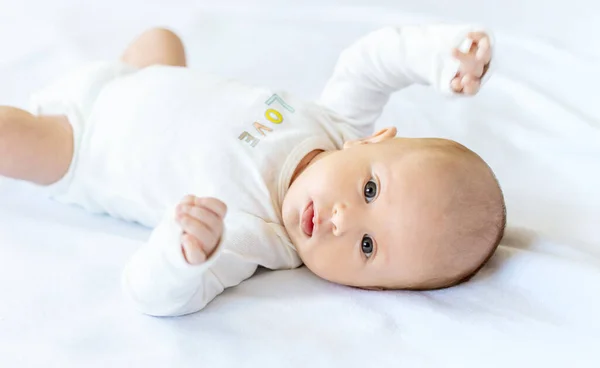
(473, 64)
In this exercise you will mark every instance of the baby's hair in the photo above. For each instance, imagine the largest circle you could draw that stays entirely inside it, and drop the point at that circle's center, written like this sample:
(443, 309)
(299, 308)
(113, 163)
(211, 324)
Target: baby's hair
(501, 226)
(475, 218)
(498, 226)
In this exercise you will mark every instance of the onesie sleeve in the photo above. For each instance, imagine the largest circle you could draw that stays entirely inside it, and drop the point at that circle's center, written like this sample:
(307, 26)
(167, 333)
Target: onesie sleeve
(389, 59)
(160, 282)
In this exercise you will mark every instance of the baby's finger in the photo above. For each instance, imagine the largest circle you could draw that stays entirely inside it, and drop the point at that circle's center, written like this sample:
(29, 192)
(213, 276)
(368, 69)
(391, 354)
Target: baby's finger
(477, 70)
(477, 36)
(213, 204)
(467, 79)
(192, 251)
(461, 56)
(209, 218)
(456, 85)
(484, 53)
(188, 199)
(471, 87)
(472, 69)
(206, 237)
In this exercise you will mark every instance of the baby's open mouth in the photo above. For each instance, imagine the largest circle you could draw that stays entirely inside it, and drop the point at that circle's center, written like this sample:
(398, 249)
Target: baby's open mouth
(307, 220)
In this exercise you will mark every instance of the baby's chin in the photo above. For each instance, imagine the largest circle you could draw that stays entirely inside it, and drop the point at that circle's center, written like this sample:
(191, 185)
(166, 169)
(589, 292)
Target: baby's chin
(290, 219)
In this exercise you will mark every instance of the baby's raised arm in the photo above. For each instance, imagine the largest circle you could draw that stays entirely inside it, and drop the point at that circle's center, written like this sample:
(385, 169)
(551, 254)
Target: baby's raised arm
(390, 59)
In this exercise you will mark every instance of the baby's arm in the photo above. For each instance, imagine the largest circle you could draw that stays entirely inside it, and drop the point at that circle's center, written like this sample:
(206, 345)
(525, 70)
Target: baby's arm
(389, 59)
(184, 264)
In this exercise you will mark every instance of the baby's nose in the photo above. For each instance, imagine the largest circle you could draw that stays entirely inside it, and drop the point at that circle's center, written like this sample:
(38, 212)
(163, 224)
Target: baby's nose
(341, 219)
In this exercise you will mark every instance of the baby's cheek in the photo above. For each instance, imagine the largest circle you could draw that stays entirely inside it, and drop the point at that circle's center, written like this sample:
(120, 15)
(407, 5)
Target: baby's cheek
(330, 261)
(329, 183)
(317, 185)
(326, 170)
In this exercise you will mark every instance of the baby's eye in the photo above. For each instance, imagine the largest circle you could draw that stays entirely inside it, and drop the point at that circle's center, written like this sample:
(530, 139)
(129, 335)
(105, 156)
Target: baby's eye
(367, 245)
(370, 190)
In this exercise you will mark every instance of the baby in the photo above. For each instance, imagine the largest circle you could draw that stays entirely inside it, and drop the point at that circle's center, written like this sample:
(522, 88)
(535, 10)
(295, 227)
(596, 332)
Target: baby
(271, 180)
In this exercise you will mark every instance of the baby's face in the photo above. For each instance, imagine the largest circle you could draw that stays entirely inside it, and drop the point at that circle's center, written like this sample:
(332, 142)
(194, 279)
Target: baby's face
(365, 215)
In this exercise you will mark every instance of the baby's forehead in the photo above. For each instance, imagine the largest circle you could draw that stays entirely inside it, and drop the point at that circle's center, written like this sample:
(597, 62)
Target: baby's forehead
(419, 148)
(414, 162)
(415, 192)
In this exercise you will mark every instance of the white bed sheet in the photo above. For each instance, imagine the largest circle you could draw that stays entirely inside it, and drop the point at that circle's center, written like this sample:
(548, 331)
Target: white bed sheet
(537, 123)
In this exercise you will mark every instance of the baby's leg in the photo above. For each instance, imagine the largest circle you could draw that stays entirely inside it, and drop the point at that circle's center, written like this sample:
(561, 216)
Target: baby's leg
(38, 149)
(155, 46)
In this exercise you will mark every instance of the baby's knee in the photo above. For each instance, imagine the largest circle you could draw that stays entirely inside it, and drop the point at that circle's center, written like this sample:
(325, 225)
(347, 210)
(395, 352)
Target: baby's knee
(161, 35)
(6, 112)
(9, 116)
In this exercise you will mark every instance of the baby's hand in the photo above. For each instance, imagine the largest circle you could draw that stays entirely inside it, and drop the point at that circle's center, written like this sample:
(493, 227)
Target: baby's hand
(202, 222)
(473, 64)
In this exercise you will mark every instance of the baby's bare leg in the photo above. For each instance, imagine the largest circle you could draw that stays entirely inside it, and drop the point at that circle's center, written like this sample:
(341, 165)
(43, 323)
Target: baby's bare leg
(38, 149)
(155, 46)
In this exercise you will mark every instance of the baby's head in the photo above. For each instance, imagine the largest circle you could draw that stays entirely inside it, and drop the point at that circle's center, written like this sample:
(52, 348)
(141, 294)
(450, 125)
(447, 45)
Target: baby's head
(395, 213)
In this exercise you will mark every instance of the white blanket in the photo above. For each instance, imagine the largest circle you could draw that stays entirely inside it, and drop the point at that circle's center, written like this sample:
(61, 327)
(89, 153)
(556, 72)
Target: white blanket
(537, 123)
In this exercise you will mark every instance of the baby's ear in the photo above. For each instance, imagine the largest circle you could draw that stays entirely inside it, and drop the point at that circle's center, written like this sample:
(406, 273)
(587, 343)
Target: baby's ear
(379, 136)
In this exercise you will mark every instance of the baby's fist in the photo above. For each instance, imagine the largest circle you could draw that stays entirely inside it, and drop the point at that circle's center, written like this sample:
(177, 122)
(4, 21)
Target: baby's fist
(473, 64)
(202, 222)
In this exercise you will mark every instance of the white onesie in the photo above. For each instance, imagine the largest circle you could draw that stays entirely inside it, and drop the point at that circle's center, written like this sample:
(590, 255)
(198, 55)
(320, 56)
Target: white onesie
(144, 138)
